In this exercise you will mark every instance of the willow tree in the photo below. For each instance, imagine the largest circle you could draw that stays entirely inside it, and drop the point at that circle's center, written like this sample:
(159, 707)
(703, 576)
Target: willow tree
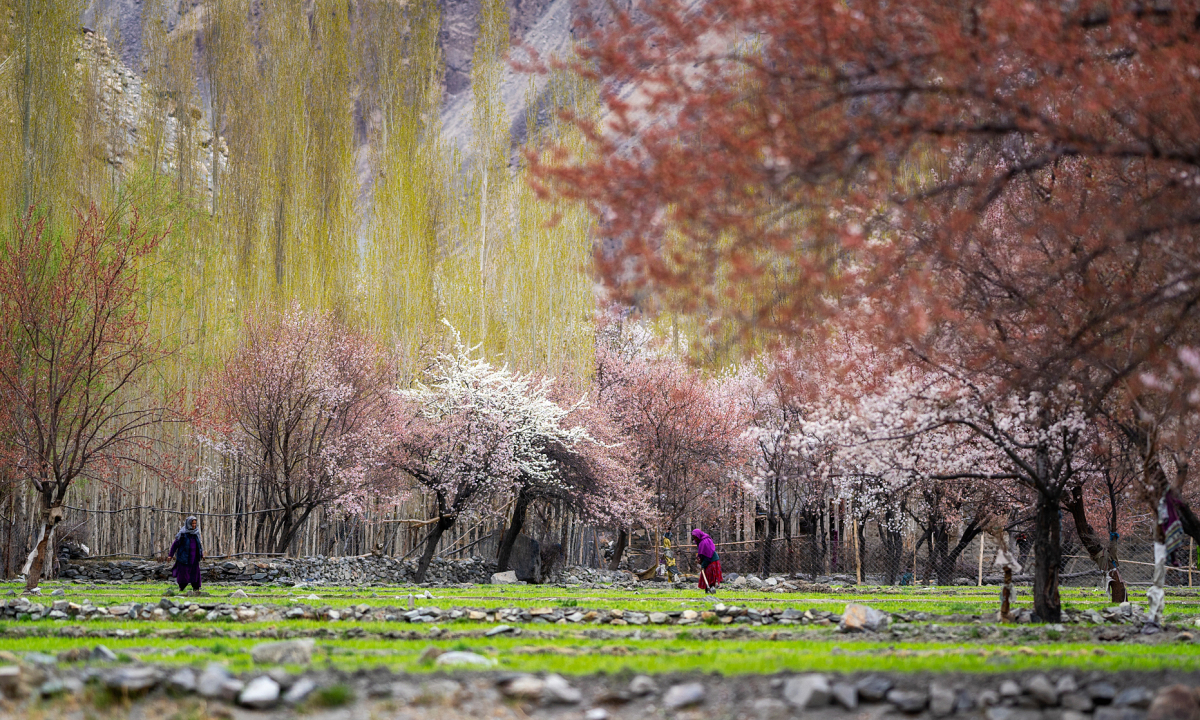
(400, 74)
(477, 232)
(39, 104)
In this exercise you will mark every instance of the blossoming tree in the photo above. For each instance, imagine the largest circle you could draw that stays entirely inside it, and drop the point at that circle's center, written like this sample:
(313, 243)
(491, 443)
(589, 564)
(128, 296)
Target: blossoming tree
(304, 405)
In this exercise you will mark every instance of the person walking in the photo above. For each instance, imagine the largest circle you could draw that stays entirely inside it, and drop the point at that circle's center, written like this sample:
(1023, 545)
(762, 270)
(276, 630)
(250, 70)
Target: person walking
(710, 562)
(669, 568)
(187, 551)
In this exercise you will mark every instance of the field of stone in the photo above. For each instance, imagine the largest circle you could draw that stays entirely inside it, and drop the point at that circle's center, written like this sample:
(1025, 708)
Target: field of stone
(587, 649)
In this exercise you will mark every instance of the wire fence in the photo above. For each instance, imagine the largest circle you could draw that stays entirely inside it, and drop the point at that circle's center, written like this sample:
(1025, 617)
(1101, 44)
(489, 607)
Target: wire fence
(873, 563)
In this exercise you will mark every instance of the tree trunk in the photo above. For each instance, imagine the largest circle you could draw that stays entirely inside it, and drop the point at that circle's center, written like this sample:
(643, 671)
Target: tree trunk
(51, 515)
(520, 506)
(435, 535)
(1047, 558)
(948, 560)
(768, 551)
(893, 548)
(289, 528)
(1104, 558)
(619, 549)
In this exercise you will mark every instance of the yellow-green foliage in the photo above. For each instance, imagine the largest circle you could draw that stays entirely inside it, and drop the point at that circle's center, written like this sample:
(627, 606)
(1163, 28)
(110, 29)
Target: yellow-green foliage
(246, 154)
(39, 104)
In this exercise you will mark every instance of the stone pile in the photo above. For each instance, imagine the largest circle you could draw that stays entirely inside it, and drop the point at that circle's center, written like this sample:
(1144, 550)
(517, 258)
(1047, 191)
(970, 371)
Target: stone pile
(368, 570)
(855, 619)
(1024, 696)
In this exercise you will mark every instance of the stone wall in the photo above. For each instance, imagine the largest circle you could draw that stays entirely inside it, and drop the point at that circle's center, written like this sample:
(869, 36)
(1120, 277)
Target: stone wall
(320, 570)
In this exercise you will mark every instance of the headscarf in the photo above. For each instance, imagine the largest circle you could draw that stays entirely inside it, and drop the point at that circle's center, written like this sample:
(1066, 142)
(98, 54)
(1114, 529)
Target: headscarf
(188, 530)
(705, 547)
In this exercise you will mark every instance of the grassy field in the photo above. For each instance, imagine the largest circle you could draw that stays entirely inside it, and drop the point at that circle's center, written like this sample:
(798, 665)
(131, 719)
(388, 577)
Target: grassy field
(1181, 602)
(578, 649)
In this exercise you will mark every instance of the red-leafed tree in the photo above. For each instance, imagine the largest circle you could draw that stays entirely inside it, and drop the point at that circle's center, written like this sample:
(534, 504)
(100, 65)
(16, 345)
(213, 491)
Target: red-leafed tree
(304, 405)
(1006, 191)
(75, 360)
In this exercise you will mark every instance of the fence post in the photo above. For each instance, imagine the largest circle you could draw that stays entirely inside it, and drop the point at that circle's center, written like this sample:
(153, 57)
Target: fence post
(857, 552)
(982, 540)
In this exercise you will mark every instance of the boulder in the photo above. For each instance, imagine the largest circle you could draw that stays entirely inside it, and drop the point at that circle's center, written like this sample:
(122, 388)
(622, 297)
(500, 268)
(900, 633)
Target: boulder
(642, 685)
(807, 691)
(261, 692)
(508, 577)
(558, 691)
(683, 695)
(284, 652)
(1174, 702)
(463, 658)
(860, 618)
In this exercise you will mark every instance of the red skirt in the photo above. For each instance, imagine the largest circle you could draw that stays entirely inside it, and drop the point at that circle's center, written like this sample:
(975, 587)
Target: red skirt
(710, 576)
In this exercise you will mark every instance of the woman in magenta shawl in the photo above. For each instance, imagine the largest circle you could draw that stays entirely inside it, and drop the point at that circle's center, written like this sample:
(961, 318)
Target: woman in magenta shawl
(710, 563)
(187, 551)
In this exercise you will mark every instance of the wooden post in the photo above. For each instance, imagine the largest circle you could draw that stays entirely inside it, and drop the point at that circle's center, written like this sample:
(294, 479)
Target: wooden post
(982, 539)
(1006, 596)
(916, 544)
(857, 553)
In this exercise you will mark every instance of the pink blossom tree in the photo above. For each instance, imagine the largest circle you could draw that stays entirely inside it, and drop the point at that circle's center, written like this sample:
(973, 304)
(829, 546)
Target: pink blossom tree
(303, 405)
(476, 435)
(687, 433)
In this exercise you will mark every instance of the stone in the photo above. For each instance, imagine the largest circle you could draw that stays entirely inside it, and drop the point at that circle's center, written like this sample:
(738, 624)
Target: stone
(1040, 688)
(597, 713)
(1066, 684)
(771, 709)
(509, 577)
(210, 681)
(941, 700)
(500, 630)
(908, 701)
(101, 653)
(683, 695)
(873, 688)
(239, 593)
(1011, 713)
(1010, 689)
(463, 658)
(524, 687)
(182, 680)
(845, 694)
(860, 618)
(642, 685)
(10, 680)
(807, 691)
(37, 658)
(987, 698)
(284, 652)
(1077, 701)
(1101, 692)
(261, 692)
(557, 690)
(1137, 696)
(133, 680)
(1174, 702)
(1124, 712)
(299, 690)
(659, 618)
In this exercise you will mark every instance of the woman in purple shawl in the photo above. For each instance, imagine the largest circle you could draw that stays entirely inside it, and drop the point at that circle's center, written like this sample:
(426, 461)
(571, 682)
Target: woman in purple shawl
(710, 563)
(187, 551)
